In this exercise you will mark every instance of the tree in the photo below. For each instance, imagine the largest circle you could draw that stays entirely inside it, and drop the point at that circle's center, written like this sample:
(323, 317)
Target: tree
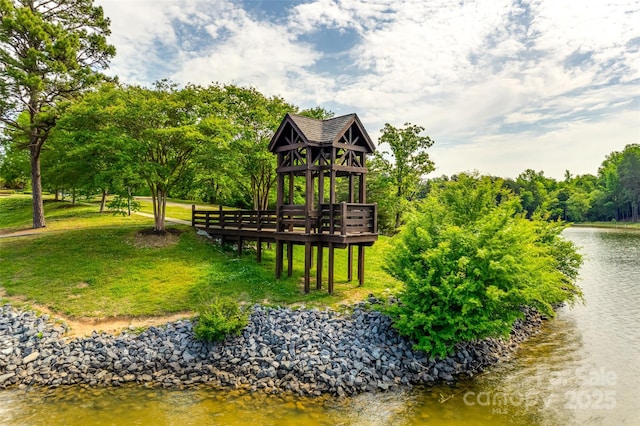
(534, 189)
(165, 127)
(608, 203)
(49, 52)
(88, 151)
(405, 165)
(255, 118)
(629, 175)
(470, 261)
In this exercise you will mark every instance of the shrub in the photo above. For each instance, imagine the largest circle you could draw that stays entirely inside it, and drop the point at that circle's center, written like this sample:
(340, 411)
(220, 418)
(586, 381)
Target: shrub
(220, 318)
(470, 260)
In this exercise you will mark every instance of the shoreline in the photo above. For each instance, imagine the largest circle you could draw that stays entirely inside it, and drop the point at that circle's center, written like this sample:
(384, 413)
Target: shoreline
(306, 352)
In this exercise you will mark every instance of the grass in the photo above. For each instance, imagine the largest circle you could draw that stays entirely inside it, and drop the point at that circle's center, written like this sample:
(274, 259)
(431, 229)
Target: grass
(177, 209)
(16, 215)
(96, 267)
(615, 225)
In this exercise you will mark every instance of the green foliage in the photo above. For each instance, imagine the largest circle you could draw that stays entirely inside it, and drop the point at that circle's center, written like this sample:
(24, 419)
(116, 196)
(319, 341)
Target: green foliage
(220, 318)
(470, 260)
(123, 205)
(395, 176)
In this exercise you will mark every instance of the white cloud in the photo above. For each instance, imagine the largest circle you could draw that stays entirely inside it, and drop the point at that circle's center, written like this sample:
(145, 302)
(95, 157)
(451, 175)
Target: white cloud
(491, 81)
(577, 146)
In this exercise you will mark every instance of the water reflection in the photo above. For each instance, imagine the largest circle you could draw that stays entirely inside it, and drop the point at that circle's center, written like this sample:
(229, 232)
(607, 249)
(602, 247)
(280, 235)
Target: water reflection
(583, 368)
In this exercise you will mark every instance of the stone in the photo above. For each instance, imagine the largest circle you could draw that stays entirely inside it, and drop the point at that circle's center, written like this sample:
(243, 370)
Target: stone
(30, 358)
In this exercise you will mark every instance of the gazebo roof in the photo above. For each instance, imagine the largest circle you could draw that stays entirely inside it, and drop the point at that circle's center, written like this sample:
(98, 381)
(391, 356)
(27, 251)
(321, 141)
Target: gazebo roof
(322, 132)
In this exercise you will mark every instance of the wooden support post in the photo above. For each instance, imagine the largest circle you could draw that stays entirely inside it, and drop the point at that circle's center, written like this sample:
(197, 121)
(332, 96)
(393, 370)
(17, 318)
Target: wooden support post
(360, 265)
(319, 266)
(289, 258)
(307, 266)
(259, 250)
(331, 267)
(239, 246)
(279, 255)
(349, 263)
(351, 189)
(193, 215)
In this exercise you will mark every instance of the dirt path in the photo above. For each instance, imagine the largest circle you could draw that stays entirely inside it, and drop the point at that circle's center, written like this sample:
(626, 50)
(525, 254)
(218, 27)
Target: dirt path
(80, 327)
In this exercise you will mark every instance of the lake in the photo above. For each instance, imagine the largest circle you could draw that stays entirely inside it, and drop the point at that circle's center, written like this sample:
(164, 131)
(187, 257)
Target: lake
(583, 368)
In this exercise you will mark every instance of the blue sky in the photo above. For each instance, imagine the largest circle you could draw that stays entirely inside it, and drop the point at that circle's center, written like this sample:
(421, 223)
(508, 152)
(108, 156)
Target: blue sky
(500, 86)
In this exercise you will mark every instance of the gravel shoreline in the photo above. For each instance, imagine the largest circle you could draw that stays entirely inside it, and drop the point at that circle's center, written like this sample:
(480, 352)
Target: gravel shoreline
(308, 352)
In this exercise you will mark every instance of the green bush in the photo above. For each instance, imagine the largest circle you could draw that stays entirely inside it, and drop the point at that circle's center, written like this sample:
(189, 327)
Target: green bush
(470, 260)
(220, 318)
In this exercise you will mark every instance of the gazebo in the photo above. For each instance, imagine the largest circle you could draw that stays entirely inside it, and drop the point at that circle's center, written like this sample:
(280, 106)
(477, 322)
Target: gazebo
(315, 158)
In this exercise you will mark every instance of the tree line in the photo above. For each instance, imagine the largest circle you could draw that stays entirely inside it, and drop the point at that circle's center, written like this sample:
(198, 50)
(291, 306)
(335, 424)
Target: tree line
(612, 194)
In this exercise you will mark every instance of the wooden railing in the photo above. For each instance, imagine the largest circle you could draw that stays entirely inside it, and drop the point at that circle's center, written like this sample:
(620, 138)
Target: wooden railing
(349, 218)
(342, 219)
(234, 219)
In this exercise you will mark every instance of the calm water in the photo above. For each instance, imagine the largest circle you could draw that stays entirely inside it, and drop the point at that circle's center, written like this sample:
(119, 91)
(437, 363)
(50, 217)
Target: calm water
(583, 369)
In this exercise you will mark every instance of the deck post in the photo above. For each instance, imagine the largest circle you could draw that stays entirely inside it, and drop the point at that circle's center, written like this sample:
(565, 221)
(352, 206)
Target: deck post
(319, 266)
(331, 267)
(360, 265)
(239, 246)
(193, 215)
(289, 258)
(279, 255)
(307, 266)
(259, 250)
(349, 263)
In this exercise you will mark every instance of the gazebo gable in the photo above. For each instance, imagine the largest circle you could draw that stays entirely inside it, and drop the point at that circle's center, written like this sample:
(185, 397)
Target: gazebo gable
(296, 132)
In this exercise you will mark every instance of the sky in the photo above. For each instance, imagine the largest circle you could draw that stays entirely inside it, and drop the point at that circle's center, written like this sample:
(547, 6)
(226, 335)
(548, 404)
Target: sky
(500, 86)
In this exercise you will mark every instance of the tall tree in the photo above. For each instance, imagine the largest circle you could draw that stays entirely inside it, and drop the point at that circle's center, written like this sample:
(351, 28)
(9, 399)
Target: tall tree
(88, 147)
(406, 165)
(255, 118)
(629, 174)
(609, 202)
(49, 52)
(166, 127)
(533, 189)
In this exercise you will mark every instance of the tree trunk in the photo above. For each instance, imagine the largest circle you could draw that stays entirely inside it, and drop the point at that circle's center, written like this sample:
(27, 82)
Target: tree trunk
(159, 201)
(36, 188)
(103, 200)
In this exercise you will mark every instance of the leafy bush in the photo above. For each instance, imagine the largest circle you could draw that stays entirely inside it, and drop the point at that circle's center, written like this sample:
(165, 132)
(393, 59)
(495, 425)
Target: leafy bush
(470, 260)
(220, 318)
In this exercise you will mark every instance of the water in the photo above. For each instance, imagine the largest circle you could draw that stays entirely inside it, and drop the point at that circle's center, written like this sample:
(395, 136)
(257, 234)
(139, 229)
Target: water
(584, 368)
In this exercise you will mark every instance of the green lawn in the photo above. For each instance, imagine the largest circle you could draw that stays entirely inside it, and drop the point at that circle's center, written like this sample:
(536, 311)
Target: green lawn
(15, 215)
(95, 266)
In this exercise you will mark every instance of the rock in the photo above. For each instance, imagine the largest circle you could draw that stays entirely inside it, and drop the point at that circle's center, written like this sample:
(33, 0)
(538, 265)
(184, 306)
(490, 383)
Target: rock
(309, 352)
(5, 377)
(30, 358)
